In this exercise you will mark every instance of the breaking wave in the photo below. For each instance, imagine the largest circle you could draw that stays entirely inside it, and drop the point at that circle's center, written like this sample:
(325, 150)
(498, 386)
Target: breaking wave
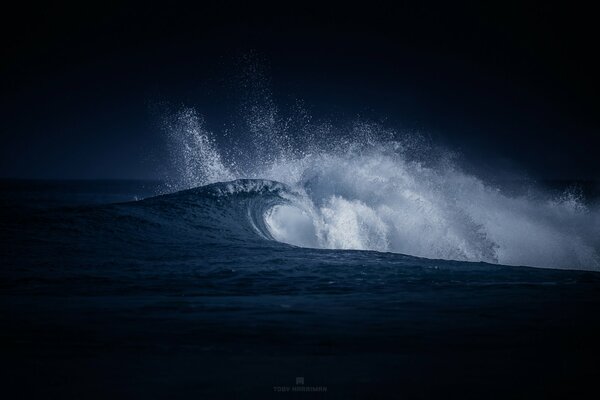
(365, 187)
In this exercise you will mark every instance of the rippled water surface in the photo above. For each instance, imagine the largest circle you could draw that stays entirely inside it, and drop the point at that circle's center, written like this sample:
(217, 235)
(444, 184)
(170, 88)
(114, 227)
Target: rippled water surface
(189, 295)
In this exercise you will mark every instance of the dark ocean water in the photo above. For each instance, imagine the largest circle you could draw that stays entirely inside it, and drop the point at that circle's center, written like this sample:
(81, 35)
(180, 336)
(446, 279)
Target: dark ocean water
(107, 291)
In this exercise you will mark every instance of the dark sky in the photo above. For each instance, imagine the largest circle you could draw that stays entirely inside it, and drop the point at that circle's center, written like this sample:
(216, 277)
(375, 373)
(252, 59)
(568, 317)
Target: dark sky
(510, 85)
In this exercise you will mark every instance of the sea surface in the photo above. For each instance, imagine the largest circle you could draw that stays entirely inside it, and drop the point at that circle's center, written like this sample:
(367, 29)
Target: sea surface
(123, 289)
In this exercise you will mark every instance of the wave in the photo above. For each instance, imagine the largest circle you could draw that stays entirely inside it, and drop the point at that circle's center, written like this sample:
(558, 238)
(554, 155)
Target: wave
(370, 190)
(219, 214)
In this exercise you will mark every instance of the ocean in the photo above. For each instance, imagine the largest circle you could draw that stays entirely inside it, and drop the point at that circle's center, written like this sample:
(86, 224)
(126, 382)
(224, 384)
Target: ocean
(109, 291)
(360, 270)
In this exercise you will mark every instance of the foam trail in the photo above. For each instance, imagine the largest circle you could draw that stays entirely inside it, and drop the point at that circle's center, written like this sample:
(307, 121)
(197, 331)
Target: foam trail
(371, 190)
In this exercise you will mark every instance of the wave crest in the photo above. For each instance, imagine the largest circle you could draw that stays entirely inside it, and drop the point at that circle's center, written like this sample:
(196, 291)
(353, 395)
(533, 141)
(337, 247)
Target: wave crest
(373, 190)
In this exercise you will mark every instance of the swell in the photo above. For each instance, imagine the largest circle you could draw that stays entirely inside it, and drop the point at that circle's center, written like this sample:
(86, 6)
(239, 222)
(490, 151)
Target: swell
(168, 227)
(220, 213)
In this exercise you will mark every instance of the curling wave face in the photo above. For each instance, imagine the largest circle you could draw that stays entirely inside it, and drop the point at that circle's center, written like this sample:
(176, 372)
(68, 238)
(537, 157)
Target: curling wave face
(371, 191)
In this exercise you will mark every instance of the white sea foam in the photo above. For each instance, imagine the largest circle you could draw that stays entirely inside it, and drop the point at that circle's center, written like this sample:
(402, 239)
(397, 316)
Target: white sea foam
(377, 200)
(372, 190)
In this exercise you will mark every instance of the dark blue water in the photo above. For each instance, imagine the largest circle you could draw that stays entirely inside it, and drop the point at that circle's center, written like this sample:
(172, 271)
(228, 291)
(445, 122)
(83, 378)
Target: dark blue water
(107, 291)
